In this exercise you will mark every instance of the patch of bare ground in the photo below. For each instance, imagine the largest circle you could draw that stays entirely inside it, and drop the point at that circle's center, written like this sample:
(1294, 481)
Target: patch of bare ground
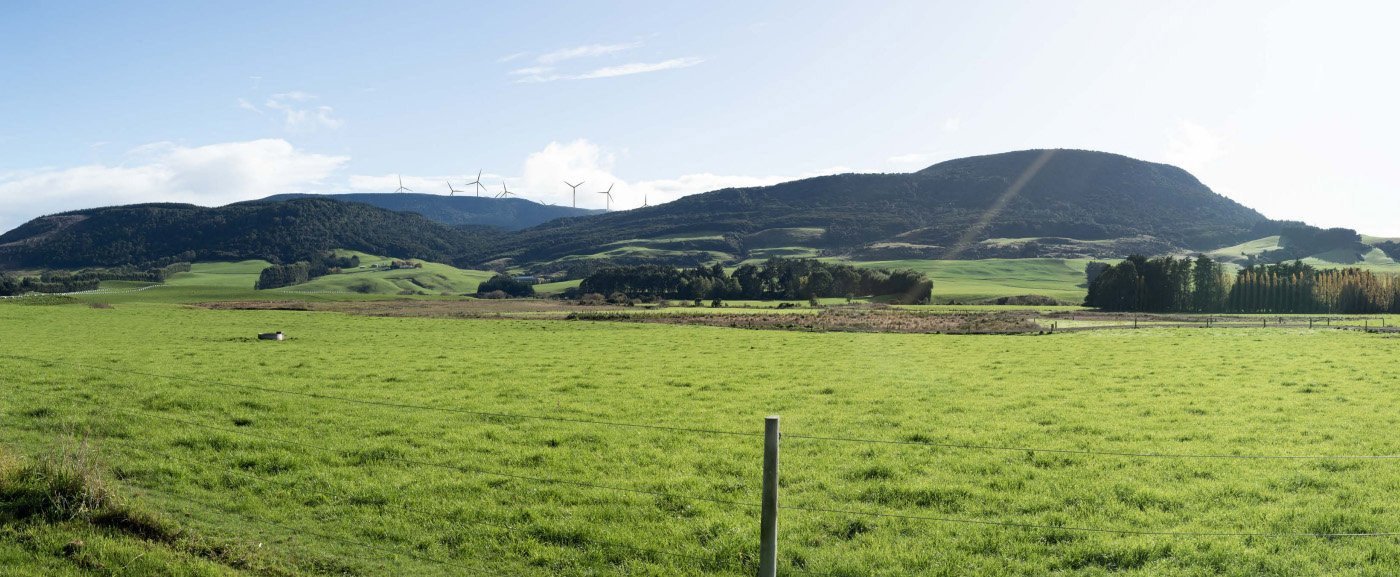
(841, 320)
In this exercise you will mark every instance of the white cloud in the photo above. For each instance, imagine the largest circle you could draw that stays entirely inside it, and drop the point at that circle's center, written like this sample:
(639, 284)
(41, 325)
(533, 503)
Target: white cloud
(298, 114)
(512, 56)
(581, 160)
(585, 51)
(952, 124)
(1193, 147)
(209, 175)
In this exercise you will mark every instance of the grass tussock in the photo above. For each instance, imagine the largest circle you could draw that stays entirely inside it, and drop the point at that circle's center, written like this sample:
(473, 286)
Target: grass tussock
(66, 490)
(67, 484)
(63, 485)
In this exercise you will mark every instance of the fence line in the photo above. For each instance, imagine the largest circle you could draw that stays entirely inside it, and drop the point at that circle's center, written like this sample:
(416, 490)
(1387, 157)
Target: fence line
(284, 487)
(382, 403)
(935, 445)
(1015, 525)
(949, 520)
(404, 506)
(142, 413)
(929, 444)
(415, 462)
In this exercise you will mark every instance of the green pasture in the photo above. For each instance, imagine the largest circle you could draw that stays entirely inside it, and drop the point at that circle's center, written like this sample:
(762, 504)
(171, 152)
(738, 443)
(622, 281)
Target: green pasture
(181, 408)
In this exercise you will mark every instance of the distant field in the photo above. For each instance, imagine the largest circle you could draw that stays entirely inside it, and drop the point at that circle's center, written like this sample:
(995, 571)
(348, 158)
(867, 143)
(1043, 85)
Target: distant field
(235, 281)
(432, 279)
(502, 495)
(205, 281)
(970, 280)
(953, 280)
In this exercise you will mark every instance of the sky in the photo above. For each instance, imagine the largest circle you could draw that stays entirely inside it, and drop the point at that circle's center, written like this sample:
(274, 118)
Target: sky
(1287, 107)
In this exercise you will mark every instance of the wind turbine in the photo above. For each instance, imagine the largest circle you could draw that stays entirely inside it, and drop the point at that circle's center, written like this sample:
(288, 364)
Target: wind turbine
(505, 192)
(575, 187)
(451, 191)
(477, 183)
(608, 192)
(402, 188)
(644, 201)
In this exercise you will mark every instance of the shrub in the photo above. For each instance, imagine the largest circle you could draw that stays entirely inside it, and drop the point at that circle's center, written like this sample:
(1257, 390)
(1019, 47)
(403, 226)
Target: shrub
(592, 299)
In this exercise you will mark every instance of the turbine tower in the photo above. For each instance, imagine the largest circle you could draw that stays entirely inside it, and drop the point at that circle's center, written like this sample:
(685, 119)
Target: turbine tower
(575, 187)
(477, 183)
(451, 191)
(401, 187)
(608, 192)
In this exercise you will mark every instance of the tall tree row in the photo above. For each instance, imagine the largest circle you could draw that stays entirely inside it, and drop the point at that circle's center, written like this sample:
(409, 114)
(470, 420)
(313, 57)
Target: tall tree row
(1168, 284)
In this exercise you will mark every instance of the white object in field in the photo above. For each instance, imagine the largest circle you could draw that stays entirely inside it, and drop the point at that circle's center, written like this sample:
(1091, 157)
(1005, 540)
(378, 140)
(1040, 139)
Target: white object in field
(277, 336)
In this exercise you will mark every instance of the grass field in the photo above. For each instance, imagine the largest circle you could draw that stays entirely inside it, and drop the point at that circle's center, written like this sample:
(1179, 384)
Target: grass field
(503, 495)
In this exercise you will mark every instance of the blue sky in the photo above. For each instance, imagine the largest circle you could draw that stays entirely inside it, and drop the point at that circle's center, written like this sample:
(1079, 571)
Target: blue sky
(1286, 107)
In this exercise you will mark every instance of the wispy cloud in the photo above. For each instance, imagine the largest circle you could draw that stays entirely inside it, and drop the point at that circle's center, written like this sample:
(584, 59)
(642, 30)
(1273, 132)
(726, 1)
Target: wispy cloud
(299, 115)
(545, 68)
(528, 75)
(532, 71)
(245, 105)
(641, 68)
(514, 56)
(585, 51)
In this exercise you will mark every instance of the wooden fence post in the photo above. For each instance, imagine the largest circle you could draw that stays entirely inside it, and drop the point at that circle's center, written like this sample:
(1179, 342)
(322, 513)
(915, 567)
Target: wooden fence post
(768, 528)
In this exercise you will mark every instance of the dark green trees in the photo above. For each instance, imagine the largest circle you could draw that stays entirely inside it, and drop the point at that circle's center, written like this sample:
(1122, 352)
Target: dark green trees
(777, 278)
(507, 285)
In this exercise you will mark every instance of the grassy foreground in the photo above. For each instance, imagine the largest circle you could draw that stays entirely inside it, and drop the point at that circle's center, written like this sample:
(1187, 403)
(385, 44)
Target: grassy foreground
(363, 489)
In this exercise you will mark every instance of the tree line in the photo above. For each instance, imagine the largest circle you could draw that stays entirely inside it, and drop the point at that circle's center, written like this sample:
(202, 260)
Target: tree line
(280, 275)
(776, 278)
(1168, 284)
(84, 280)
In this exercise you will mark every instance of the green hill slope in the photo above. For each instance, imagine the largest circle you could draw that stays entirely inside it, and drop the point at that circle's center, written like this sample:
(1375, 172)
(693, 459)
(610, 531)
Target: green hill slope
(285, 231)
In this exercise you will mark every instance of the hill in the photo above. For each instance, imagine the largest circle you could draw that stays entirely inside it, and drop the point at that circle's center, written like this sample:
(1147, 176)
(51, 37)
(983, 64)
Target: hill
(1033, 203)
(506, 213)
(275, 231)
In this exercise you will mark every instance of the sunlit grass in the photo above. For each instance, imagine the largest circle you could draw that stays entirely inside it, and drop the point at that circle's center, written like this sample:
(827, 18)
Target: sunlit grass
(1288, 391)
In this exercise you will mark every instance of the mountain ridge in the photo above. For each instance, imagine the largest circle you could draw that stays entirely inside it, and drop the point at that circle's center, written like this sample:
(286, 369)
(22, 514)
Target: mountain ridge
(1072, 194)
(1032, 203)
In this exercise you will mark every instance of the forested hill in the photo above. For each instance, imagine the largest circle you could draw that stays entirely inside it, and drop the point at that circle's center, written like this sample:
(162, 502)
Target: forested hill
(1074, 194)
(506, 213)
(278, 231)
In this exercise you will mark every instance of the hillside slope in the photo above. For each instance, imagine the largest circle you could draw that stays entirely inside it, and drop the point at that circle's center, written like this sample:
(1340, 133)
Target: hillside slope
(282, 231)
(1059, 196)
(506, 213)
